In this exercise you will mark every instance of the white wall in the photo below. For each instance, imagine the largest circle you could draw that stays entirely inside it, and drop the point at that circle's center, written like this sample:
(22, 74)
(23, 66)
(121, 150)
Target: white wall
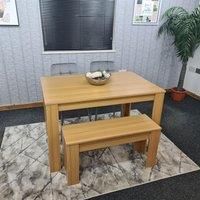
(192, 79)
(22, 61)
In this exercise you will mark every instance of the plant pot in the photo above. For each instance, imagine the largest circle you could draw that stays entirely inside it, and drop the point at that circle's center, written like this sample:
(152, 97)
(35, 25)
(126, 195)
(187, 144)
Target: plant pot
(178, 95)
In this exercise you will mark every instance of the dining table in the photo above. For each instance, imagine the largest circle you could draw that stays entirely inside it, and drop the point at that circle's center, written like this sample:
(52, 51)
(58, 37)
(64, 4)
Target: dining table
(73, 92)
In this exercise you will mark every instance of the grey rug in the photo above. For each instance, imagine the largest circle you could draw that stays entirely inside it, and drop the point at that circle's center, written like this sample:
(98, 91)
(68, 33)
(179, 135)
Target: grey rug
(24, 170)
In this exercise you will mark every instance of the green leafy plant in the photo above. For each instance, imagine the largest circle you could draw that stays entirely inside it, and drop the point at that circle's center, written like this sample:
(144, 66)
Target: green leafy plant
(185, 28)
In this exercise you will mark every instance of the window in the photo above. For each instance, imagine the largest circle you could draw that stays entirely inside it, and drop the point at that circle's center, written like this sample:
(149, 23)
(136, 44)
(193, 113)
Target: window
(77, 24)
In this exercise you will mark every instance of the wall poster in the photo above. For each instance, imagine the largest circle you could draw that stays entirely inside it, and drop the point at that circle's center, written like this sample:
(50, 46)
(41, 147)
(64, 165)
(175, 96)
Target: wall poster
(8, 13)
(146, 12)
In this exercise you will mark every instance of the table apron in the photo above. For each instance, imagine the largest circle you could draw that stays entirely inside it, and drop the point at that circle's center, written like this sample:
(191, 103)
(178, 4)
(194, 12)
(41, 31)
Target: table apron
(105, 102)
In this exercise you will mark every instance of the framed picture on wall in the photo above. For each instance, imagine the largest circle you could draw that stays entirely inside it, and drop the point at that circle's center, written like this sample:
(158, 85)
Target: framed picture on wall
(146, 12)
(8, 13)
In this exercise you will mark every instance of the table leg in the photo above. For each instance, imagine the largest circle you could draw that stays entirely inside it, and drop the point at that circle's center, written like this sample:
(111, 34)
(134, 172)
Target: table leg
(155, 136)
(52, 125)
(156, 116)
(157, 107)
(138, 146)
(125, 109)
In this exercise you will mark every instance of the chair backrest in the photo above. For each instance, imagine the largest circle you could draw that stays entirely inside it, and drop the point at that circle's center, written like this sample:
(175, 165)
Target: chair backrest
(63, 69)
(102, 65)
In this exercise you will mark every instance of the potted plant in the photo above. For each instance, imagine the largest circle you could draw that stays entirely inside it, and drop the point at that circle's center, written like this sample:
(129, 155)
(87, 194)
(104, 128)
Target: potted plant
(184, 27)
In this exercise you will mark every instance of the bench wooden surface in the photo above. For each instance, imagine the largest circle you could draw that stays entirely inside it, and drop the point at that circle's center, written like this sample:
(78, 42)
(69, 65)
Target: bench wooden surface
(105, 133)
(106, 129)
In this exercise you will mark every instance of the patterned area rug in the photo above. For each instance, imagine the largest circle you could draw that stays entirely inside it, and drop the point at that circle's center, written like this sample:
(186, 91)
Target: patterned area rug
(24, 170)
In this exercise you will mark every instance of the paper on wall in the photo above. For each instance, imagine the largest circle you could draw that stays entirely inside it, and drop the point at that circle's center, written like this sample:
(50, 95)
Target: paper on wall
(147, 8)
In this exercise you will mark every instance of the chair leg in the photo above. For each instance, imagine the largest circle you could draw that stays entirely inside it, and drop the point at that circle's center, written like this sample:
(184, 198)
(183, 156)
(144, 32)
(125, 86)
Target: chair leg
(79, 117)
(89, 115)
(72, 164)
(114, 112)
(154, 139)
(60, 131)
(60, 125)
(61, 119)
(96, 114)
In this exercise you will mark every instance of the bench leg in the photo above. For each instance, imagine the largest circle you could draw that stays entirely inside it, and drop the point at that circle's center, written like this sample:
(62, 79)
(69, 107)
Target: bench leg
(72, 164)
(154, 139)
(140, 146)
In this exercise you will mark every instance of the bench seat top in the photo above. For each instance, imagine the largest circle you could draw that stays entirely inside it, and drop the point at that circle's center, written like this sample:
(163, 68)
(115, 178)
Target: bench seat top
(107, 129)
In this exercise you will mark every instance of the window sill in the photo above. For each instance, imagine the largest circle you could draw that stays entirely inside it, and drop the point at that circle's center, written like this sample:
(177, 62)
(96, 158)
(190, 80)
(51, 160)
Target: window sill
(77, 52)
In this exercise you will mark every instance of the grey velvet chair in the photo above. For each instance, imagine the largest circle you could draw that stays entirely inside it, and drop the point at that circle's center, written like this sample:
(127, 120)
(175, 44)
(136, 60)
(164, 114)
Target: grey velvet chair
(60, 69)
(109, 67)
(63, 69)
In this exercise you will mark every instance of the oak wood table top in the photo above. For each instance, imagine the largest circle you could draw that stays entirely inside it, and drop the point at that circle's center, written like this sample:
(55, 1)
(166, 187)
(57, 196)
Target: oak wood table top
(75, 88)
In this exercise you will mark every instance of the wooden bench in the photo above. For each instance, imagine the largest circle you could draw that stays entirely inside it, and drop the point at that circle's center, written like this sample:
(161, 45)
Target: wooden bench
(106, 133)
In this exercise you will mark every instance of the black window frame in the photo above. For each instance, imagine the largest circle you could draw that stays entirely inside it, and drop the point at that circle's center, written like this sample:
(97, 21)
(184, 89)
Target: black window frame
(109, 47)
